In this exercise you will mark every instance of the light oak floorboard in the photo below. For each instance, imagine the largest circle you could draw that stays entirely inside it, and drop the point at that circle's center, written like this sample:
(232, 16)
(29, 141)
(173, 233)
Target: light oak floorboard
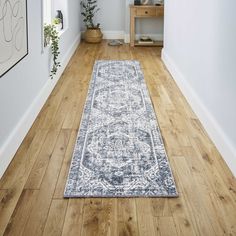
(31, 190)
(56, 217)
(21, 213)
(74, 218)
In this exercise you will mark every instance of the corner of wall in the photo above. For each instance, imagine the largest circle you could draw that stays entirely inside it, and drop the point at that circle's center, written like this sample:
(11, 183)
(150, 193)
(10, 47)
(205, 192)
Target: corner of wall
(215, 132)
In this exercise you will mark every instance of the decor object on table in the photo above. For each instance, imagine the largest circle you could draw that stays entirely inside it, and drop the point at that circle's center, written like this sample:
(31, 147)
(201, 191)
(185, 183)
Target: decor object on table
(144, 2)
(13, 33)
(119, 150)
(158, 2)
(137, 2)
(60, 17)
(51, 38)
(93, 32)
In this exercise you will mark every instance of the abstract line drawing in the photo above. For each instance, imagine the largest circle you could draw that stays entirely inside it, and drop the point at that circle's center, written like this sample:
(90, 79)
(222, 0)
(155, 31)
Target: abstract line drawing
(13, 33)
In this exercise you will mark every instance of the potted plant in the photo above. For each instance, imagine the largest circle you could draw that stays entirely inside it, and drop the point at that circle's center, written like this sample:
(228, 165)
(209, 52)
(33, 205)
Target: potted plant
(51, 37)
(57, 23)
(93, 32)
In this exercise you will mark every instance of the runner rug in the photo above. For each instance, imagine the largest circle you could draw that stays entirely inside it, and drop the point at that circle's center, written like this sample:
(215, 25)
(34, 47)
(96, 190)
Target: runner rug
(119, 150)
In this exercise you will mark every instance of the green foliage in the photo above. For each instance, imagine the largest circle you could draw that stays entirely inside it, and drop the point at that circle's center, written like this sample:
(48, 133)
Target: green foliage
(89, 9)
(51, 36)
(56, 21)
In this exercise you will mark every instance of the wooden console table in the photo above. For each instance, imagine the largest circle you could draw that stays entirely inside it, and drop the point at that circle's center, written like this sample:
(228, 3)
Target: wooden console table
(144, 11)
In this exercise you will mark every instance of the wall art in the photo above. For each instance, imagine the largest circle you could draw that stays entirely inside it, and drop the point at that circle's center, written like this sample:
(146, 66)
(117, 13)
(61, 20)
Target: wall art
(13, 33)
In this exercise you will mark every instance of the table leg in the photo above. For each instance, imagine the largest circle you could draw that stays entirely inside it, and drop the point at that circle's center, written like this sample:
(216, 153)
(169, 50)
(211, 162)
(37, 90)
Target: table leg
(132, 28)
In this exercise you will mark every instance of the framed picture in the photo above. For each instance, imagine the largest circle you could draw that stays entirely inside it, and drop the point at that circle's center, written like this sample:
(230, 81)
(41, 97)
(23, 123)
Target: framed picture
(13, 33)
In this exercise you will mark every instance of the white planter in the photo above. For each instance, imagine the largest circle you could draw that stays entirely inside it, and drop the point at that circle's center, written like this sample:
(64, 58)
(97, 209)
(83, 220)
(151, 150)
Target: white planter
(58, 27)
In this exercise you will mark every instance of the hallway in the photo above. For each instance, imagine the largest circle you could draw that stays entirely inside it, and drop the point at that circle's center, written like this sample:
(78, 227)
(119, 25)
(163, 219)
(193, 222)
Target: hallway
(31, 190)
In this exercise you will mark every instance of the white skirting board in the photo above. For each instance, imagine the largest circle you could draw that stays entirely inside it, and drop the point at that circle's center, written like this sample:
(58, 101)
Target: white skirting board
(113, 34)
(158, 37)
(110, 34)
(126, 37)
(217, 135)
(9, 148)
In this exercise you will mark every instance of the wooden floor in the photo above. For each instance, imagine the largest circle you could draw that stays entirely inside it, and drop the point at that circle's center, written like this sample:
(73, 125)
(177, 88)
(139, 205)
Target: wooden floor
(31, 191)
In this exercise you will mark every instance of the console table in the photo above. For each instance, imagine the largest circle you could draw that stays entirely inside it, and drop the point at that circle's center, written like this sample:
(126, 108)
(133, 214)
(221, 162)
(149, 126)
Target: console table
(144, 11)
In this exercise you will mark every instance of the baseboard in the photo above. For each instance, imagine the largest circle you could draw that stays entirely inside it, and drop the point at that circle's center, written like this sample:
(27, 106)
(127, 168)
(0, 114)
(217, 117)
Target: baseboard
(158, 37)
(113, 34)
(110, 34)
(217, 135)
(9, 148)
(126, 37)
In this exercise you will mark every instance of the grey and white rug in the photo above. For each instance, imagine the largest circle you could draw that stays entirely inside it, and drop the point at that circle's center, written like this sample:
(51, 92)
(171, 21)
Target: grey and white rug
(119, 151)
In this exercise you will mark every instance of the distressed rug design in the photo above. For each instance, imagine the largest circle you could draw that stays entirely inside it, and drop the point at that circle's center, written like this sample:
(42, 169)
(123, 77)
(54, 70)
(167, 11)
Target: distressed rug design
(119, 150)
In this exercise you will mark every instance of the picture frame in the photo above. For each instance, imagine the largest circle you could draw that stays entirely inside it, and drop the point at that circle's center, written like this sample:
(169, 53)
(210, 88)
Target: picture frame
(13, 33)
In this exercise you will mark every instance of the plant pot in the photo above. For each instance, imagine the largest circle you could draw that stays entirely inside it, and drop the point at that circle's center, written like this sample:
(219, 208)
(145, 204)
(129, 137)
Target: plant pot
(58, 27)
(93, 35)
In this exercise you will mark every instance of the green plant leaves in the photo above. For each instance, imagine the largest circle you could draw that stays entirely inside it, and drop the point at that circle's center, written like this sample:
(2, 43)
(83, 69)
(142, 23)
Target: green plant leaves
(89, 8)
(51, 36)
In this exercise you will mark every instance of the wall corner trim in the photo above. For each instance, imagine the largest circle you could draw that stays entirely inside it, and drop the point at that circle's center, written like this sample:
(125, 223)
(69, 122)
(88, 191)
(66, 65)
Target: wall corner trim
(14, 140)
(222, 142)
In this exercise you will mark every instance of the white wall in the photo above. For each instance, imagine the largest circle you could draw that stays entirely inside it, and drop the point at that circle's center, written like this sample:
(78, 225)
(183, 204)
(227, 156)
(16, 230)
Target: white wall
(111, 15)
(24, 89)
(112, 18)
(200, 52)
